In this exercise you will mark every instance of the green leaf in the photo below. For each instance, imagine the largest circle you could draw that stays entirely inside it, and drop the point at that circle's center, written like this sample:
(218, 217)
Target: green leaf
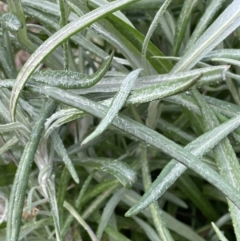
(219, 233)
(62, 117)
(173, 170)
(81, 221)
(224, 53)
(148, 136)
(78, 202)
(157, 217)
(160, 91)
(116, 105)
(11, 22)
(191, 190)
(54, 207)
(13, 126)
(126, 175)
(150, 232)
(61, 193)
(97, 189)
(224, 25)
(31, 226)
(8, 144)
(211, 10)
(210, 75)
(72, 80)
(115, 234)
(135, 37)
(150, 32)
(108, 211)
(131, 198)
(146, 5)
(62, 152)
(175, 133)
(17, 196)
(224, 154)
(45, 13)
(54, 41)
(4, 60)
(181, 26)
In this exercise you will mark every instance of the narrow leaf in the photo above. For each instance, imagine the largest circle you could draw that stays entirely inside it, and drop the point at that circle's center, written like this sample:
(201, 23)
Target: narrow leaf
(108, 211)
(173, 170)
(13, 126)
(157, 217)
(131, 198)
(8, 144)
(54, 207)
(151, 30)
(61, 117)
(224, 25)
(148, 136)
(117, 103)
(72, 80)
(219, 233)
(126, 175)
(211, 10)
(17, 196)
(60, 149)
(181, 26)
(115, 234)
(81, 221)
(54, 41)
(160, 91)
(225, 156)
(150, 232)
(78, 202)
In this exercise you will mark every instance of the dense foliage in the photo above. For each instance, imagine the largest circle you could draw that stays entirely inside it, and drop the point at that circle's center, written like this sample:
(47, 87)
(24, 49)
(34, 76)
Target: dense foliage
(119, 120)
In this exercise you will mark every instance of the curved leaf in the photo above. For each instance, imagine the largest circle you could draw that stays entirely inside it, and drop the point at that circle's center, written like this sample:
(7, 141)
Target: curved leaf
(224, 154)
(156, 213)
(224, 25)
(120, 170)
(160, 91)
(148, 136)
(19, 187)
(54, 41)
(61, 117)
(117, 103)
(72, 80)
(173, 170)
(210, 75)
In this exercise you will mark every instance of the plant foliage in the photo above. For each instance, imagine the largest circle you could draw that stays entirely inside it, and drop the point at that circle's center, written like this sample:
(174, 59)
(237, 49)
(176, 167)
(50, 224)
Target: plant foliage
(120, 120)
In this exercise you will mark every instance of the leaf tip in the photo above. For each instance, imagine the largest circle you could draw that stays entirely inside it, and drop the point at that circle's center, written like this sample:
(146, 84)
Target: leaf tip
(130, 212)
(87, 139)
